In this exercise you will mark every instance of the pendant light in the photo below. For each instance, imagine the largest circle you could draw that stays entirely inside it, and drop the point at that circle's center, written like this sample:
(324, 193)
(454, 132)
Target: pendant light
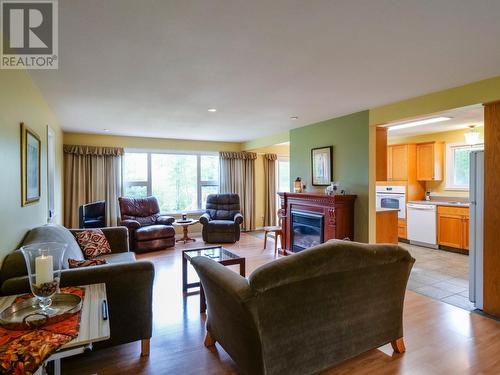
(472, 136)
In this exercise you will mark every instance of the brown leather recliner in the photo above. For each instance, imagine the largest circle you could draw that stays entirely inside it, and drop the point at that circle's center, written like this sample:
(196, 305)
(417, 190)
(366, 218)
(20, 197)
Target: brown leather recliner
(148, 230)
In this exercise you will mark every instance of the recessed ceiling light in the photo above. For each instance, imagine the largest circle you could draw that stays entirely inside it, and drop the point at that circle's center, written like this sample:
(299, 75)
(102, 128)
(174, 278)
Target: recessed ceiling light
(294, 118)
(212, 110)
(426, 121)
(106, 130)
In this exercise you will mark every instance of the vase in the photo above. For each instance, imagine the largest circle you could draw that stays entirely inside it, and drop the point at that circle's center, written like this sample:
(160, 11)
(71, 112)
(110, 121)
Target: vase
(44, 264)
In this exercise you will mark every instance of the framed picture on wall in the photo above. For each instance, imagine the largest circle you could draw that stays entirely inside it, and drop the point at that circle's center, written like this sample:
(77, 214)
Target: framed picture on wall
(322, 166)
(30, 165)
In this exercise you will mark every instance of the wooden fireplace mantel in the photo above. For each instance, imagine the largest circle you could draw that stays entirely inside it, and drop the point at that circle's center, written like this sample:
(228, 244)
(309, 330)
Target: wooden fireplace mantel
(337, 210)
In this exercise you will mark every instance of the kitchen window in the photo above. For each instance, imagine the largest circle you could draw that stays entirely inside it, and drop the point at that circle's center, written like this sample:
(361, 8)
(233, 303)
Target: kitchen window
(457, 165)
(180, 182)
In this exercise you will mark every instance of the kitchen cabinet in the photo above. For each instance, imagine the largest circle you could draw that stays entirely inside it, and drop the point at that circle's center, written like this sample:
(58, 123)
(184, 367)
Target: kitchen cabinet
(397, 162)
(402, 228)
(430, 159)
(387, 226)
(453, 227)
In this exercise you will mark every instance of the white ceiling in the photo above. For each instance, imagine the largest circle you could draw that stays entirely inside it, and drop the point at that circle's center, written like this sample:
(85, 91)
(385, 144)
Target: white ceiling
(460, 118)
(153, 68)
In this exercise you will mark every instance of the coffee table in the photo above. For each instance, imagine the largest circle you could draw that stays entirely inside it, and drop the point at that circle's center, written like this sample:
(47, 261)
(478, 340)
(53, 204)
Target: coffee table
(185, 224)
(217, 253)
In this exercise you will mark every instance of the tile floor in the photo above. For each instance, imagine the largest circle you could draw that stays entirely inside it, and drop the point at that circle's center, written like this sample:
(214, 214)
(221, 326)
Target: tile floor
(441, 275)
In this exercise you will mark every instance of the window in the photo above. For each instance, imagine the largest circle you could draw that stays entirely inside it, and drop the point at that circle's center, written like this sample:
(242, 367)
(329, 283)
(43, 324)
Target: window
(283, 175)
(457, 165)
(181, 182)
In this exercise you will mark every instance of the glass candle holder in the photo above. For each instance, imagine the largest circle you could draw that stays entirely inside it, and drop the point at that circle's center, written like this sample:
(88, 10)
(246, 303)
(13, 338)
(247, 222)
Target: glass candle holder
(44, 263)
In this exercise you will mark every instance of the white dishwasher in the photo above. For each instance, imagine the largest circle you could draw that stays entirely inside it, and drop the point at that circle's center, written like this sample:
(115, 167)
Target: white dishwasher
(421, 224)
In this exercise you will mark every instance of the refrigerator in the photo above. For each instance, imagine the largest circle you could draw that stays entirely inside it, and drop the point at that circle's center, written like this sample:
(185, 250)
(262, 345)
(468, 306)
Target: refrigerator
(476, 216)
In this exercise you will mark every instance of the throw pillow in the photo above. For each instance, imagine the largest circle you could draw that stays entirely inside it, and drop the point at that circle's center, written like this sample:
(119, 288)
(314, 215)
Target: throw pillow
(93, 243)
(73, 263)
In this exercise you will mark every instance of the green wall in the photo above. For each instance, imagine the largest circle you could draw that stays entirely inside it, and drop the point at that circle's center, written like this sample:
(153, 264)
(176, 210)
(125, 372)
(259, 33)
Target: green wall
(349, 137)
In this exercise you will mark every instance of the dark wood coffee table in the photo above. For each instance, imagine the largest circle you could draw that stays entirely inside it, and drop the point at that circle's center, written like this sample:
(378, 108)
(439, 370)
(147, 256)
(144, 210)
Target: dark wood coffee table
(217, 253)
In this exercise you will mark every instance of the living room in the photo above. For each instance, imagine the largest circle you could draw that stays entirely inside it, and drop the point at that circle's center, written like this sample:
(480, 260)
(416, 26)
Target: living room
(235, 134)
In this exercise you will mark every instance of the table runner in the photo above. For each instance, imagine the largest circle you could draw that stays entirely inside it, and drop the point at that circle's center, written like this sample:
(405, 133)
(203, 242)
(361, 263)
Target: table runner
(23, 352)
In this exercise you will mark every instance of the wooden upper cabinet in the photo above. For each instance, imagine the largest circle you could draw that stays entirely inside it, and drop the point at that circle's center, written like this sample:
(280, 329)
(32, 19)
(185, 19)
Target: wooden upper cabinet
(398, 162)
(453, 227)
(430, 159)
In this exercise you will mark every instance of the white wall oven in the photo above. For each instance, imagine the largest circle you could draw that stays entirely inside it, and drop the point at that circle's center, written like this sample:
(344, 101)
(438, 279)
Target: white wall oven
(392, 197)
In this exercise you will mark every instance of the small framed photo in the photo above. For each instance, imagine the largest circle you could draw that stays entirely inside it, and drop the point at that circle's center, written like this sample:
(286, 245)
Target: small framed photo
(30, 166)
(322, 166)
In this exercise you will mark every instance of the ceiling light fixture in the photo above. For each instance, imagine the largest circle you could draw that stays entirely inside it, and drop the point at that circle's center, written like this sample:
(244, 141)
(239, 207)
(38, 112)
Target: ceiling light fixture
(472, 136)
(294, 118)
(426, 121)
(106, 130)
(212, 110)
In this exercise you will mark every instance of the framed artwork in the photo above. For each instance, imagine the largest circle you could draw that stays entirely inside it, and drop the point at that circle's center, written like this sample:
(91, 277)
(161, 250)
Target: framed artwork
(30, 166)
(322, 166)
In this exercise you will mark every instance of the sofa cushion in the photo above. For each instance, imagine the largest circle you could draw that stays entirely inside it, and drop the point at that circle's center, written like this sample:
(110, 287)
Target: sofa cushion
(221, 226)
(93, 243)
(73, 263)
(153, 232)
(118, 258)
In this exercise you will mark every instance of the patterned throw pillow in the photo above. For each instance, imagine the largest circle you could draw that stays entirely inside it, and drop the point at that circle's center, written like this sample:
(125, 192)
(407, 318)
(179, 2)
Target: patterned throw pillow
(93, 243)
(73, 263)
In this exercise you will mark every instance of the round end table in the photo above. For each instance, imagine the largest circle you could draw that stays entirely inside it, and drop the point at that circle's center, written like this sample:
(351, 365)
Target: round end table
(185, 224)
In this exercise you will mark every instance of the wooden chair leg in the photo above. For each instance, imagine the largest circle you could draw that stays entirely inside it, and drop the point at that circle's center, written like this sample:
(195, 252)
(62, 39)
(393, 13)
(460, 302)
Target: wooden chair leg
(209, 340)
(265, 239)
(398, 345)
(145, 347)
(275, 243)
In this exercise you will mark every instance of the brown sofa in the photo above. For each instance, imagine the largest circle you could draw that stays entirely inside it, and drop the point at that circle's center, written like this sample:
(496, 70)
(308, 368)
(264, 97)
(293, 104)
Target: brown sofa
(148, 230)
(129, 283)
(222, 219)
(306, 312)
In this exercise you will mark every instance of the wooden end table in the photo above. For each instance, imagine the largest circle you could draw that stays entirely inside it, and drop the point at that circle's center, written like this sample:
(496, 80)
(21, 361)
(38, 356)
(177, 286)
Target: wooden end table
(94, 326)
(217, 253)
(185, 224)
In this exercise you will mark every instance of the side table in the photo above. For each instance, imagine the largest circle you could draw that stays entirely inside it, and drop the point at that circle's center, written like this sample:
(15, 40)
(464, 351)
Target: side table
(94, 326)
(185, 224)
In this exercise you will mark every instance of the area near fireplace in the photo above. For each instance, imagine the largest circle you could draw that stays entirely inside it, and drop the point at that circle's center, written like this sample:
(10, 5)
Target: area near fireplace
(312, 218)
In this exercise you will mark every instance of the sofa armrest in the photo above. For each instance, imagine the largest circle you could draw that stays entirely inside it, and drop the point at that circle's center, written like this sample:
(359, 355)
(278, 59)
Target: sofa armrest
(165, 220)
(129, 289)
(131, 224)
(231, 319)
(238, 219)
(116, 236)
(204, 219)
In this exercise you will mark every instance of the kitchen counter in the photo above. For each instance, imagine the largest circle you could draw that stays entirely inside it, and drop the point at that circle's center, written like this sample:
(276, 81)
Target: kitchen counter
(443, 203)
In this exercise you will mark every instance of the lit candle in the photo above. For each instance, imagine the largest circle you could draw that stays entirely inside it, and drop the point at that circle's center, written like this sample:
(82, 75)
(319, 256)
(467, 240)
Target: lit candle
(44, 269)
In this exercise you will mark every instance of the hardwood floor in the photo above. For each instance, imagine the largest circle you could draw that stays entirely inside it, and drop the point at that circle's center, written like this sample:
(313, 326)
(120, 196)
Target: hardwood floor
(440, 338)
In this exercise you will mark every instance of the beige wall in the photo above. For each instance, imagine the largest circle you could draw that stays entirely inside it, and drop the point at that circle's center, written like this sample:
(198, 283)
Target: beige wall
(456, 136)
(148, 143)
(260, 188)
(20, 101)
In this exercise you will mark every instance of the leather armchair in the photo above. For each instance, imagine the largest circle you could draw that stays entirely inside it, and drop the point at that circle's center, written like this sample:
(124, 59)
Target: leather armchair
(93, 215)
(148, 230)
(222, 219)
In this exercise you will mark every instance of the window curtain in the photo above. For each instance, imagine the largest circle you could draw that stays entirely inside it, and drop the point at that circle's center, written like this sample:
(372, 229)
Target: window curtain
(270, 189)
(237, 175)
(91, 174)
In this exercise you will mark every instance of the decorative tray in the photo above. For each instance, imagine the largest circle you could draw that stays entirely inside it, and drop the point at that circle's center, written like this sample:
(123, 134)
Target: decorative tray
(27, 314)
